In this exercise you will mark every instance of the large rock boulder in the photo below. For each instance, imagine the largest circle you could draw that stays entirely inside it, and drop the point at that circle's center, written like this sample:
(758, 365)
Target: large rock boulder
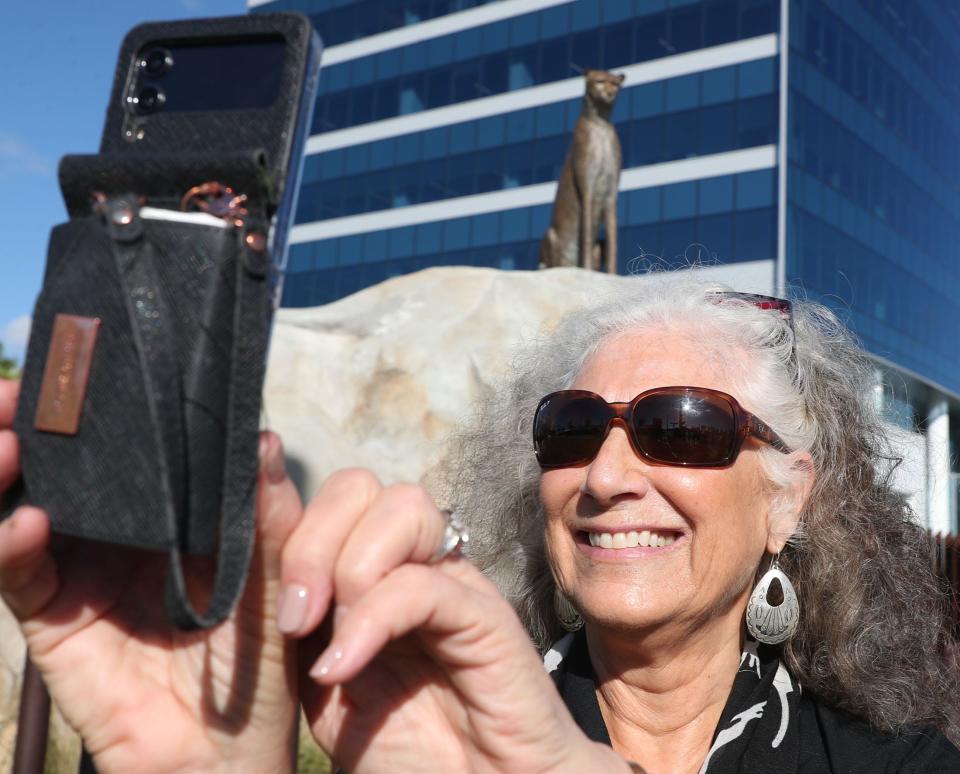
(379, 378)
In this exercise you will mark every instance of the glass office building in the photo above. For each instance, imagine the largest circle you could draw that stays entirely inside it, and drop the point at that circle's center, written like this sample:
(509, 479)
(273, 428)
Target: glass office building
(442, 126)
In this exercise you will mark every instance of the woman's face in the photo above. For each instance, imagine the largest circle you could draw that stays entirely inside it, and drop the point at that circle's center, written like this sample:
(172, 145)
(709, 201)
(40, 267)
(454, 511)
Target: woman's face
(714, 522)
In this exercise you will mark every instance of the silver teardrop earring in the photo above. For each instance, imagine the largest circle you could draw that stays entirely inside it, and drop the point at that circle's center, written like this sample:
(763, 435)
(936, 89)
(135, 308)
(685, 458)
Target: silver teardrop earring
(769, 623)
(568, 615)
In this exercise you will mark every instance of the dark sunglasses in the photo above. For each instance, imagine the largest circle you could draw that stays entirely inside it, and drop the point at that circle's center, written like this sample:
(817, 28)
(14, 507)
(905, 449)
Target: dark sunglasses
(686, 426)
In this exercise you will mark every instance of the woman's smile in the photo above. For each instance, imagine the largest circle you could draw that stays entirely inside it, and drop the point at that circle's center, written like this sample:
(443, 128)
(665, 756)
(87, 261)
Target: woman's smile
(627, 542)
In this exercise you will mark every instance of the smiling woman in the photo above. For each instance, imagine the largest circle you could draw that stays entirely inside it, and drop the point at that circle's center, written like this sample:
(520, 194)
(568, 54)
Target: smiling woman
(693, 439)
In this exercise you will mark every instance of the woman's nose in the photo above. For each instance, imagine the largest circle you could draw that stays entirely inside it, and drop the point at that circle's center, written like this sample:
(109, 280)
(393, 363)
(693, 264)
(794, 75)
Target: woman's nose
(617, 472)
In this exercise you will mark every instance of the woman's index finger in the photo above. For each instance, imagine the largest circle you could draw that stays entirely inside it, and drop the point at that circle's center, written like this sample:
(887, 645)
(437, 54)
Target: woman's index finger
(9, 392)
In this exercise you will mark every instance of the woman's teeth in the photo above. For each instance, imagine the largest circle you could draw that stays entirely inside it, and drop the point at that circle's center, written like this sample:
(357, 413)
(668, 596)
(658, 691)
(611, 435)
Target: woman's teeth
(629, 539)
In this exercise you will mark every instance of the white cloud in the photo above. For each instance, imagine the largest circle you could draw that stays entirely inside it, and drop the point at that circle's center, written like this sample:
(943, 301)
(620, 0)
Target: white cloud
(16, 157)
(15, 335)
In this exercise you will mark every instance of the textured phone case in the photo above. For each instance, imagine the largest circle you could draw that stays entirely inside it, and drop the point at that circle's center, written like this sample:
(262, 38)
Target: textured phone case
(157, 448)
(140, 404)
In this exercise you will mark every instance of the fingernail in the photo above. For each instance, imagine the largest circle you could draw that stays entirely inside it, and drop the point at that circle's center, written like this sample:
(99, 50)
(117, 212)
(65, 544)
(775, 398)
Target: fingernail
(276, 470)
(338, 614)
(292, 608)
(328, 663)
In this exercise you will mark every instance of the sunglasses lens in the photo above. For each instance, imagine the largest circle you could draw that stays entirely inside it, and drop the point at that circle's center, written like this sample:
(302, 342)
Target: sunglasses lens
(569, 428)
(685, 428)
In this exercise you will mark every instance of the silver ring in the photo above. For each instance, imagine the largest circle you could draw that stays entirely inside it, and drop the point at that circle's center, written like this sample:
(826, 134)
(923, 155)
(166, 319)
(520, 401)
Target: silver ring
(455, 537)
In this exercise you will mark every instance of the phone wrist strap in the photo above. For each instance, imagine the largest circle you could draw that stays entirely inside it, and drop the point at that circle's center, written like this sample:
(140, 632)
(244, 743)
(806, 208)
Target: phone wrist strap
(239, 291)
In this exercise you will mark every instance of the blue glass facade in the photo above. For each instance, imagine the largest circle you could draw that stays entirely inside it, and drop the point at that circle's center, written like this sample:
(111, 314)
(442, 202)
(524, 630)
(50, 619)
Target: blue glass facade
(730, 215)
(343, 21)
(671, 116)
(724, 109)
(527, 50)
(873, 205)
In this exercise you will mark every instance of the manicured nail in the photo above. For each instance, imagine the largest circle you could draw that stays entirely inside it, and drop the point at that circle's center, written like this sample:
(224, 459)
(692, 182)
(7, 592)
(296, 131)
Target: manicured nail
(292, 608)
(338, 614)
(328, 663)
(276, 469)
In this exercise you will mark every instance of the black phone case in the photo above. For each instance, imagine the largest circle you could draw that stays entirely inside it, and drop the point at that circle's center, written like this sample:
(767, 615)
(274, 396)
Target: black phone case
(165, 453)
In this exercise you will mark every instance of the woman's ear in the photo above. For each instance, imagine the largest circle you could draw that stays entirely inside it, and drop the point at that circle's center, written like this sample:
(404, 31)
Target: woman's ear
(784, 516)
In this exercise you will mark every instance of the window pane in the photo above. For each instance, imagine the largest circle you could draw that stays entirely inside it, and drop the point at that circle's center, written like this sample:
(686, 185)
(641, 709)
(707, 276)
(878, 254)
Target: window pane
(755, 119)
(680, 135)
(755, 235)
(515, 225)
(719, 85)
(715, 233)
(585, 49)
(494, 74)
(685, 29)
(466, 81)
(555, 60)
(676, 236)
(523, 65)
(519, 126)
(755, 189)
(645, 241)
(617, 43)
(429, 237)
(721, 22)
(438, 88)
(400, 242)
(756, 78)
(718, 129)
(647, 100)
(683, 93)
(643, 142)
(758, 17)
(456, 234)
(650, 38)
(643, 206)
(486, 229)
(300, 258)
(463, 137)
(679, 200)
(375, 246)
(716, 195)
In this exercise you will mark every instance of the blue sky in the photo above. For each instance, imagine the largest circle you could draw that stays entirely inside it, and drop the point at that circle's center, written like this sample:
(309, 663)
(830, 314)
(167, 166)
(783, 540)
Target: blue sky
(56, 65)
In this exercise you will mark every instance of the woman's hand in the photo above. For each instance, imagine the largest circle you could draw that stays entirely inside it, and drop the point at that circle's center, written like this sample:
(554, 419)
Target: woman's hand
(143, 695)
(429, 668)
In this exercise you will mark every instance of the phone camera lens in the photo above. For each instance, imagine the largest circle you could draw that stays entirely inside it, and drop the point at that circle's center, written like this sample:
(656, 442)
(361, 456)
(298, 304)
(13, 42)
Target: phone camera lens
(150, 100)
(156, 62)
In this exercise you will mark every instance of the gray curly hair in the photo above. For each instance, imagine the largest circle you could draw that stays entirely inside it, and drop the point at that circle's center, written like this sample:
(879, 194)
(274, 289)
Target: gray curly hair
(871, 638)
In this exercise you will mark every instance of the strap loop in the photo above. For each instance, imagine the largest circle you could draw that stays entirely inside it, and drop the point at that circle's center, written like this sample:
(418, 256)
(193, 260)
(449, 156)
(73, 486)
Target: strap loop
(250, 307)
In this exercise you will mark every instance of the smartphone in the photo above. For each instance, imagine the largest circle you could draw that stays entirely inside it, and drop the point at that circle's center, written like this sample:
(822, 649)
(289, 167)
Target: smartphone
(140, 404)
(221, 86)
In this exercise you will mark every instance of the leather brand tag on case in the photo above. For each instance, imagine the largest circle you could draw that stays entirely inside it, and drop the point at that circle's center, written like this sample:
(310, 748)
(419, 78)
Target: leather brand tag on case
(66, 373)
